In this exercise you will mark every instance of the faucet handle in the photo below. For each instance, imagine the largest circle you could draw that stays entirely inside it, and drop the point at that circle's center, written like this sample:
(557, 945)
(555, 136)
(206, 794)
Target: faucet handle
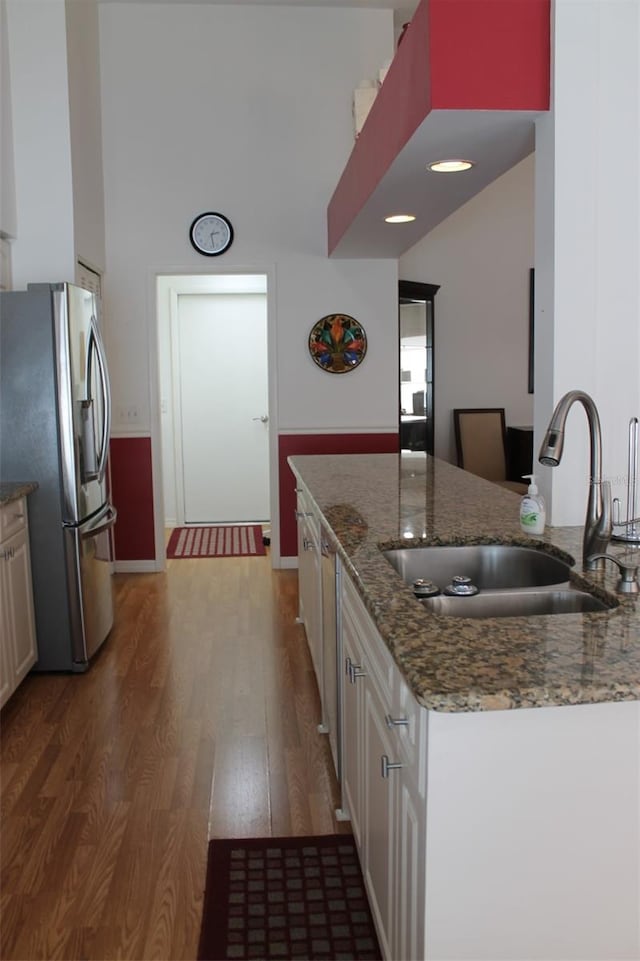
(628, 583)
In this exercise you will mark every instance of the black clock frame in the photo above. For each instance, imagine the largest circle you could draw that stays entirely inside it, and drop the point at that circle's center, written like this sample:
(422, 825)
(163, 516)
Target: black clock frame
(210, 253)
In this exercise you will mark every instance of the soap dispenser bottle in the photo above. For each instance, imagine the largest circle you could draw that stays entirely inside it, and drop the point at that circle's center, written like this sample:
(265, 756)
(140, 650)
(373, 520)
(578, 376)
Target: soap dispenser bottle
(532, 509)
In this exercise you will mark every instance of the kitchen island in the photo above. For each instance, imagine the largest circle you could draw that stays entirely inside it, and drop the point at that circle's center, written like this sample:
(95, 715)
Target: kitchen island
(517, 739)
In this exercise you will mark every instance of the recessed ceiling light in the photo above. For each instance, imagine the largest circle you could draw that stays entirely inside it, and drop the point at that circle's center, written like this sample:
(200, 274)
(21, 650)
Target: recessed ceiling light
(449, 166)
(399, 219)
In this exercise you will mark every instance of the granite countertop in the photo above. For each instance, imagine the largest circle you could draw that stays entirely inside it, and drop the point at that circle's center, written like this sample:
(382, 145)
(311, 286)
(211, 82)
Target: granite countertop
(14, 490)
(370, 501)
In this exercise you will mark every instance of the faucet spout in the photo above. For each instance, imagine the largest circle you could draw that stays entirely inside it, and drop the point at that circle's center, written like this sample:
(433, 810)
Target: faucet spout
(598, 524)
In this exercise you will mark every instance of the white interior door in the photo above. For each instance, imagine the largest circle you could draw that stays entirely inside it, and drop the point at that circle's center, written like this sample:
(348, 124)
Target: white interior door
(223, 398)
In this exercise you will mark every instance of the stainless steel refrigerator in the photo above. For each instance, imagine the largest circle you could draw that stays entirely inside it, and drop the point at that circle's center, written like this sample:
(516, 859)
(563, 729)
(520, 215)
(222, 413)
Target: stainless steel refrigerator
(54, 429)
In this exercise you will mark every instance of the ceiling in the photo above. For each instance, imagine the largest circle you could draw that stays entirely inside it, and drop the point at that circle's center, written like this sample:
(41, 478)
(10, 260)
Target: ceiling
(403, 10)
(495, 140)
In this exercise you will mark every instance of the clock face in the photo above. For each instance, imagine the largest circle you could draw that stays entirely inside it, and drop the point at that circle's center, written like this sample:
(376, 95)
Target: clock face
(211, 234)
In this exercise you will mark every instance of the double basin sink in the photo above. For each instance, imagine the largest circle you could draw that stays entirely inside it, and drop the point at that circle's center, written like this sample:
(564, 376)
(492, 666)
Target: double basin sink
(492, 580)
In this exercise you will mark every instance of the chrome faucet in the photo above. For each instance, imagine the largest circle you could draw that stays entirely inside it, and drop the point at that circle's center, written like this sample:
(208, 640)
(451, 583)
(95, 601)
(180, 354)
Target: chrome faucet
(597, 527)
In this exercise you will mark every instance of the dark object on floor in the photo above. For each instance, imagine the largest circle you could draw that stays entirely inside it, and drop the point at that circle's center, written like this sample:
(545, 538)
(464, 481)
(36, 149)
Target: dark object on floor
(237, 540)
(266, 540)
(286, 898)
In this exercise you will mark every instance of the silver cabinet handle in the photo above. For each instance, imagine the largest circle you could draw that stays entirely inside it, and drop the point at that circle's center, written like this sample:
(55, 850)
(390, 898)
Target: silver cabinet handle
(396, 721)
(386, 766)
(264, 418)
(301, 514)
(353, 670)
(356, 672)
(308, 545)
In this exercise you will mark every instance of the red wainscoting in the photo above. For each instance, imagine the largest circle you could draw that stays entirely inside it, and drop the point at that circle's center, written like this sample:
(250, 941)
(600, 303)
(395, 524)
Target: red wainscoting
(132, 493)
(291, 444)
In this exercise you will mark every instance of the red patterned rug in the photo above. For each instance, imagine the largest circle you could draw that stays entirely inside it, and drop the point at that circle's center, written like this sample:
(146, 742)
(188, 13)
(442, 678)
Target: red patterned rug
(237, 540)
(286, 898)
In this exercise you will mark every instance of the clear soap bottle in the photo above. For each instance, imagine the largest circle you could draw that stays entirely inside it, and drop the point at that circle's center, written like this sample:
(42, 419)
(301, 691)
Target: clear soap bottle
(532, 509)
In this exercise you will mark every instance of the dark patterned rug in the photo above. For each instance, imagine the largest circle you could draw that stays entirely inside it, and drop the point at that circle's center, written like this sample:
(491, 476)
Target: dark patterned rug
(280, 898)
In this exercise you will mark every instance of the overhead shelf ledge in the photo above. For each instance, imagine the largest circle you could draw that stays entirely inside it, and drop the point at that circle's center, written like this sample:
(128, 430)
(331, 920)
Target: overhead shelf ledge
(468, 80)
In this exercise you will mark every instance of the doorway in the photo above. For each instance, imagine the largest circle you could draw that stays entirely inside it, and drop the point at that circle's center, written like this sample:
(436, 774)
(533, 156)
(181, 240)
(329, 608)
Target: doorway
(416, 330)
(214, 398)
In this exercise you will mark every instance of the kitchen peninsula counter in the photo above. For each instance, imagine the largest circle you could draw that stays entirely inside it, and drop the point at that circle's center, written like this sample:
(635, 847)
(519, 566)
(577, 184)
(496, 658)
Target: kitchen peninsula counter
(383, 501)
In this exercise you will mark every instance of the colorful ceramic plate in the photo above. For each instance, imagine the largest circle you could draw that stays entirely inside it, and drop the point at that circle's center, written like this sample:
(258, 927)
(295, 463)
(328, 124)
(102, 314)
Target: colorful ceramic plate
(337, 343)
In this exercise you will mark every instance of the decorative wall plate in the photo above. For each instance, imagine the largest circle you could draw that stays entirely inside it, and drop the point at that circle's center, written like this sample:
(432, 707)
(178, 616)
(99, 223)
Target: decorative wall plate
(337, 343)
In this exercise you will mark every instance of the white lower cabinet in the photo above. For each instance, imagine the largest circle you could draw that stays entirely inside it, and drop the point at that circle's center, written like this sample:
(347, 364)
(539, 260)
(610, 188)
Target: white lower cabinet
(380, 816)
(18, 651)
(352, 723)
(528, 847)
(382, 767)
(310, 583)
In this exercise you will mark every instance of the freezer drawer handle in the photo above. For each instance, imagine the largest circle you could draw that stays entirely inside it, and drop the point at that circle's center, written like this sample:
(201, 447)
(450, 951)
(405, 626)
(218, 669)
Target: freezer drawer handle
(106, 521)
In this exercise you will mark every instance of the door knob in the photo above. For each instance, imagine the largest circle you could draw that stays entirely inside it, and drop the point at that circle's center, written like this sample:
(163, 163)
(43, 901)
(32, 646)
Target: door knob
(264, 418)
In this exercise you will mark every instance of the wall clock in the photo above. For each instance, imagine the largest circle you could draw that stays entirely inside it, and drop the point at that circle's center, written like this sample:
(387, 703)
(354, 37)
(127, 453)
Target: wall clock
(211, 234)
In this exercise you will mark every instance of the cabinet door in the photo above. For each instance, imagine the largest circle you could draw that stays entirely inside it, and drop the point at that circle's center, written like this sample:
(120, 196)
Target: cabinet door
(19, 610)
(379, 839)
(351, 726)
(6, 670)
(410, 904)
(310, 596)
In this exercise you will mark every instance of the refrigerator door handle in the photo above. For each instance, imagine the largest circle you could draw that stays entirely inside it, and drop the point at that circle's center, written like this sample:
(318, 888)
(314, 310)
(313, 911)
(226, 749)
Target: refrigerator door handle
(97, 471)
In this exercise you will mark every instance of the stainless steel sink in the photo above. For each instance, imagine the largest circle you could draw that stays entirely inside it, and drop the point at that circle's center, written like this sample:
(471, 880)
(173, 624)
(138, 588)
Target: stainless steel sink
(489, 566)
(511, 581)
(516, 603)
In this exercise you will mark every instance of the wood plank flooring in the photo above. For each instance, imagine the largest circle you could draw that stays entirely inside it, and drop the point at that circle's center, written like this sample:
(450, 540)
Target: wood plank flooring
(197, 719)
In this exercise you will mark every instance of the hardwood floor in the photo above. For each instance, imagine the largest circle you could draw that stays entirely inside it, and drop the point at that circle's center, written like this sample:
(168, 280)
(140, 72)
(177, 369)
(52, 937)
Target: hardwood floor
(197, 719)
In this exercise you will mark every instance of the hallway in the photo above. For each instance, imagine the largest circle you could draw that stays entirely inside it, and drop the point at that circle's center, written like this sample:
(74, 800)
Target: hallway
(197, 719)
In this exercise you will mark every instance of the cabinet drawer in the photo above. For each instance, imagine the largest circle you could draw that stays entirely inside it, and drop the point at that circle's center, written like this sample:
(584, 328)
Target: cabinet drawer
(13, 518)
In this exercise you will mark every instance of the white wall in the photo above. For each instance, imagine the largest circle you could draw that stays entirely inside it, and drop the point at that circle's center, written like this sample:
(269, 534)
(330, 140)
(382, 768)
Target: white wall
(247, 111)
(7, 182)
(588, 242)
(86, 133)
(481, 256)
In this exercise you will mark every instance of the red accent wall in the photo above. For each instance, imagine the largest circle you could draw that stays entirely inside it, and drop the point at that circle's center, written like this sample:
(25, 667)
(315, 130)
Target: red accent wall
(291, 444)
(490, 54)
(132, 494)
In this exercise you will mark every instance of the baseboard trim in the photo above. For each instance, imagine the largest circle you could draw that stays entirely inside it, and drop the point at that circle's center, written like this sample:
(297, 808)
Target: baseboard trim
(137, 567)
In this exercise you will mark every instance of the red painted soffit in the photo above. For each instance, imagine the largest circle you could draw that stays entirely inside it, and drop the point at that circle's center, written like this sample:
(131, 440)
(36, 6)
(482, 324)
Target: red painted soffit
(491, 55)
